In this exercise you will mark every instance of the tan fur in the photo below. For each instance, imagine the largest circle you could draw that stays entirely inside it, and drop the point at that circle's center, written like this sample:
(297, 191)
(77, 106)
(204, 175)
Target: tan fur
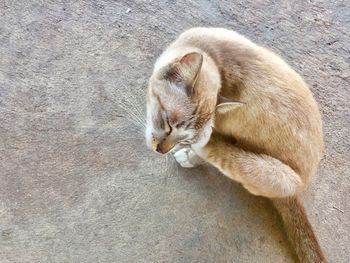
(271, 142)
(299, 230)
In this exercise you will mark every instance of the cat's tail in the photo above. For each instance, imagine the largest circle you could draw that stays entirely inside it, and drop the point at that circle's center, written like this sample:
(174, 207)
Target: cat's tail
(299, 230)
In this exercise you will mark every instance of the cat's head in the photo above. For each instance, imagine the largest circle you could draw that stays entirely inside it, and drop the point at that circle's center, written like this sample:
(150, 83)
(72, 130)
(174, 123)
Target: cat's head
(181, 101)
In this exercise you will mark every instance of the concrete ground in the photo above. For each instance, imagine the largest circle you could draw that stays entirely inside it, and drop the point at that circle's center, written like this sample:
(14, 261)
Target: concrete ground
(77, 182)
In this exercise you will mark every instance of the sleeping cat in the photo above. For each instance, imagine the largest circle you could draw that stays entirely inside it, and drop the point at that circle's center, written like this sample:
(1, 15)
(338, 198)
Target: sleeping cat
(217, 97)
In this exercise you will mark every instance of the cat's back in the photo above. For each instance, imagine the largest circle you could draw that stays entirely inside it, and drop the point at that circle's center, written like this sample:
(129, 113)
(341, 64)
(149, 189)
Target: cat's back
(213, 35)
(219, 43)
(234, 54)
(223, 43)
(281, 117)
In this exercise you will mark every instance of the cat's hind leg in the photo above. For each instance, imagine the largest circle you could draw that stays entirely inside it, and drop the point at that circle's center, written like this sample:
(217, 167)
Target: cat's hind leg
(260, 174)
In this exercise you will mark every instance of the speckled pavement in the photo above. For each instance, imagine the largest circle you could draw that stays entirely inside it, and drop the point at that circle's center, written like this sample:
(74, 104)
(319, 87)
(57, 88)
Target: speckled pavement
(77, 183)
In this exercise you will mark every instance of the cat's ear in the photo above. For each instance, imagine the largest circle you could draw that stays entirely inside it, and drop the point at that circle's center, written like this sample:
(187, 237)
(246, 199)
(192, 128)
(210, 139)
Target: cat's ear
(185, 70)
(225, 105)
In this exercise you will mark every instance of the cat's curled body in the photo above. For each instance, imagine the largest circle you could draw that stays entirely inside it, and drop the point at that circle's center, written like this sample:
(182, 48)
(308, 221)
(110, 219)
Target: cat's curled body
(242, 109)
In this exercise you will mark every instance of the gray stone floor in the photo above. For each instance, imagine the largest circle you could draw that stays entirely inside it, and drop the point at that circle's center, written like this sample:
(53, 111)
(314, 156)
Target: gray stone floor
(77, 182)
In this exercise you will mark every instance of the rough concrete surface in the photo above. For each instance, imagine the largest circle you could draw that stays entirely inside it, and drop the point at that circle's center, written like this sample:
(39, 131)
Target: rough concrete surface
(77, 182)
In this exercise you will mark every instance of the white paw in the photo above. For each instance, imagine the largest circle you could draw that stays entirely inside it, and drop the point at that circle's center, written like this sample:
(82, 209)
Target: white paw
(187, 158)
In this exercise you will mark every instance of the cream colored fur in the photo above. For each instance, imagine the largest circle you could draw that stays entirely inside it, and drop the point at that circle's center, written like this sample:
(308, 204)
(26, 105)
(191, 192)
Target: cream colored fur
(271, 143)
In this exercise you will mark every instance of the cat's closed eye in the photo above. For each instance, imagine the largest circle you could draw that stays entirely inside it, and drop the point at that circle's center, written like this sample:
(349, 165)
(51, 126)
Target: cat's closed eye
(179, 125)
(170, 129)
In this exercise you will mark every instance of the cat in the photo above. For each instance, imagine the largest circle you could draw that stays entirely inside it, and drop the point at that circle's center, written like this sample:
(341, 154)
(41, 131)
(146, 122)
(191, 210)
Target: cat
(215, 96)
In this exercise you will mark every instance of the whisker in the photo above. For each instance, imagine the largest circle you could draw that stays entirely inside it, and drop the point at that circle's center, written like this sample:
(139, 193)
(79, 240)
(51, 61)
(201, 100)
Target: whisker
(132, 115)
(166, 169)
(137, 116)
(126, 131)
(176, 165)
(131, 106)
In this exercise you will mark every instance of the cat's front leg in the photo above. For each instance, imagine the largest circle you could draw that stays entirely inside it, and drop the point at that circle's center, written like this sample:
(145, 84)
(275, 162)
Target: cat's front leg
(187, 158)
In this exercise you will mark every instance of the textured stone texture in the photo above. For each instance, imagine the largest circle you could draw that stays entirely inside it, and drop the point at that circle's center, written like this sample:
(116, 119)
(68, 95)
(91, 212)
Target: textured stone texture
(77, 182)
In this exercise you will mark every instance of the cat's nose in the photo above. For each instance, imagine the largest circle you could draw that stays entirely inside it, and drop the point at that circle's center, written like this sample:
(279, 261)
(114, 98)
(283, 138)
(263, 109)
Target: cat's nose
(161, 149)
(165, 146)
(158, 148)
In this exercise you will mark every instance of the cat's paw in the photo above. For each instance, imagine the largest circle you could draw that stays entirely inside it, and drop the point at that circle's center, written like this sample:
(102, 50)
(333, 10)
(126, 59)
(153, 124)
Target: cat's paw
(187, 158)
